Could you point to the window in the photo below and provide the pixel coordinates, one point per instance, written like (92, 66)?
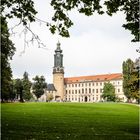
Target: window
(101, 90)
(92, 84)
(82, 84)
(75, 91)
(82, 90)
(89, 84)
(75, 85)
(118, 83)
(66, 91)
(118, 90)
(100, 84)
(85, 84)
(97, 97)
(96, 84)
(72, 85)
(79, 90)
(86, 90)
(89, 90)
(96, 90)
(92, 90)
(69, 85)
(79, 85)
(69, 92)
(72, 92)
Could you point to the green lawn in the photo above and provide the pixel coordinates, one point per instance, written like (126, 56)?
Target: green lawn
(69, 121)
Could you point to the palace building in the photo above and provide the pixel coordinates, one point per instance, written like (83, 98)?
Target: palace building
(82, 88)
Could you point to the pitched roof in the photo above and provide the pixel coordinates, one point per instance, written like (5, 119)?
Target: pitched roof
(50, 87)
(103, 77)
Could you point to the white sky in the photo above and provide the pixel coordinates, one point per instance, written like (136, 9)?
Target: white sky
(98, 45)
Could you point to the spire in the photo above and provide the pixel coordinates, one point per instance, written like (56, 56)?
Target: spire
(58, 44)
(58, 49)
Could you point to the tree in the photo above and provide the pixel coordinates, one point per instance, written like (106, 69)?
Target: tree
(128, 67)
(49, 96)
(26, 87)
(7, 51)
(109, 92)
(131, 79)
(136, 80)
(38, 86)
(25, 11)
(19, 88)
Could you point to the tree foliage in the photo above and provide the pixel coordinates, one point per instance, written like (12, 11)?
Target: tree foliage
(131, 79)
(26, 87)
(25, 11)
(38, 86)
(21, 9)
(19, 88)
(127, 77)
(7, 51)
(131, 10)
(109, 92)
(49, 96)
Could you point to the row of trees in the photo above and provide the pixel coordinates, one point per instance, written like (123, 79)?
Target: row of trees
(20, 89)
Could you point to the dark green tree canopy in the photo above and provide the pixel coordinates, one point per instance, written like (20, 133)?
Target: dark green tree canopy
(7, 51)
(19, 88)
(127, 77)
(131, 79)
(39, 85)
(26, 87)
(25, 11)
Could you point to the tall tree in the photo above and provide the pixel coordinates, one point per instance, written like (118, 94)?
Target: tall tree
(25, 11)
(128, 67)
(109, 92)
(7, 51)
(39, 85)
(19, 88)
(26, 87)
(131, 79)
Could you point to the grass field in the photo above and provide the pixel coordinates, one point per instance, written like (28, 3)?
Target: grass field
(69, 121)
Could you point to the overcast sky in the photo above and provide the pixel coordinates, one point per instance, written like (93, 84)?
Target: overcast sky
(98, 45)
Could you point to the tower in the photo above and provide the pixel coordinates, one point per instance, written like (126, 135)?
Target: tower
(58, 72)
